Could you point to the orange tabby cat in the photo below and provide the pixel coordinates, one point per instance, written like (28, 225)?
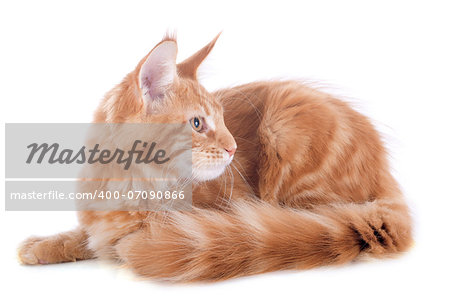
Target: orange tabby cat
(309, 184)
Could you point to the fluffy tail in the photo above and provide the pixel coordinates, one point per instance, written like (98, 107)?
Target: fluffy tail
(257, 237)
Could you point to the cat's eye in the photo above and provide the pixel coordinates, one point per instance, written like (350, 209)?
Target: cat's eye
(196, 124)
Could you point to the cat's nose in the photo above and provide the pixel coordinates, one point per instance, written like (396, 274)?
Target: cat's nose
(231, 151)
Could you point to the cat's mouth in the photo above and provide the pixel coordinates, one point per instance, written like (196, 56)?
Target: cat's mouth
(209, 172)
(205, 167)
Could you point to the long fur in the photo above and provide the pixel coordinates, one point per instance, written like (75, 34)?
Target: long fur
(256, 237)
(309, 184)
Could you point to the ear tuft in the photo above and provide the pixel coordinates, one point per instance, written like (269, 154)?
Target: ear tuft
(159, 71)
(188, 68)
(170, 36)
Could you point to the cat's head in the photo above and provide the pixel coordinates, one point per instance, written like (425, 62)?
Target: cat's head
(161, 91)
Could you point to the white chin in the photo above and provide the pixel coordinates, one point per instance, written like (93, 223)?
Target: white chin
(208, 174)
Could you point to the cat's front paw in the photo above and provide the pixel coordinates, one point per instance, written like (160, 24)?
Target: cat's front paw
(68, 246)
(27, 251)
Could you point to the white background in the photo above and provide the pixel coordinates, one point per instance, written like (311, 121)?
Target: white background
(391, 58)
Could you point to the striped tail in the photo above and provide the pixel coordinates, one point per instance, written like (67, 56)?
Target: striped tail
(255, 237)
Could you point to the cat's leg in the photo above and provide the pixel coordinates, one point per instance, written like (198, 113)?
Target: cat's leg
(125, 245)
(63, 247)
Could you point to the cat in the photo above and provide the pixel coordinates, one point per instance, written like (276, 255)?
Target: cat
(287, 177)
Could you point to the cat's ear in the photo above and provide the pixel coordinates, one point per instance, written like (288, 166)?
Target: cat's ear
(158, 71)
(188, 68)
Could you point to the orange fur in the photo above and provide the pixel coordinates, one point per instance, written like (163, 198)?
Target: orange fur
(309, 184)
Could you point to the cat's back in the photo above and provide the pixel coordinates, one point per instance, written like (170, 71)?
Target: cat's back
(287, 122)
